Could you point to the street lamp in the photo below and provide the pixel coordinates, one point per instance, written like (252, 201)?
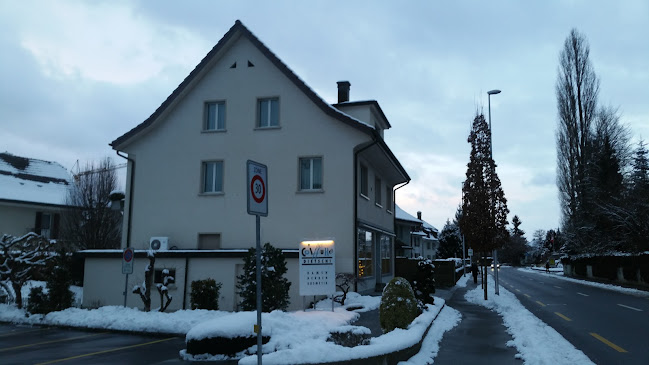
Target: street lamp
(495, 252)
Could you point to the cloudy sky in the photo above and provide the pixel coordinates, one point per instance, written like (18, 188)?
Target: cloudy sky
(75, 75)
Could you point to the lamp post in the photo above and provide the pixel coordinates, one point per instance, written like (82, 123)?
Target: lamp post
(495, 252)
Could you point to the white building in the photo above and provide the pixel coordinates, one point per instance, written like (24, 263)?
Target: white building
(330, 175)
(414, 236)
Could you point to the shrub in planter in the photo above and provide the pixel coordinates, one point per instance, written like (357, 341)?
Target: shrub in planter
(350, 336)
(205, 294)
(398, 306)
(424, 283)
(228, 346)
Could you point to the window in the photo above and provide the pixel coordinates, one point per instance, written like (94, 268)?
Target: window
(311, 173)
(47, 225)
(364, 185)
(268, 113)
(213, 177)
(377, 191)
(386, 254)
(388, 198)
(214, 116)
(364, 250)
(209, 241)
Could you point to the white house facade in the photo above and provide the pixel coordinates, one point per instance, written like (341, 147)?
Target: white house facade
(330, 176)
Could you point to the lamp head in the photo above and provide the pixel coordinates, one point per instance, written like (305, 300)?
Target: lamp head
(493, 92)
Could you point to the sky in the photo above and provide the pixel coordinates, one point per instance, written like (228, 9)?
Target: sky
(78, 74)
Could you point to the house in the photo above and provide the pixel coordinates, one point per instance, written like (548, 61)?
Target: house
(32, 194)
(414, 236)
(330, 175)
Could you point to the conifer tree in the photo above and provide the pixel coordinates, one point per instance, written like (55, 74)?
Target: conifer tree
(274, 285)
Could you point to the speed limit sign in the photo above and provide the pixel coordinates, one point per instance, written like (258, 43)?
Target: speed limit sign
(257, 187)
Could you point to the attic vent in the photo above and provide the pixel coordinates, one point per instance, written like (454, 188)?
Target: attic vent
(234, 65)
(250, 64)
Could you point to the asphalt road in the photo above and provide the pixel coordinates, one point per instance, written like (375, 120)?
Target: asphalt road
(21, 344)
(608, 326)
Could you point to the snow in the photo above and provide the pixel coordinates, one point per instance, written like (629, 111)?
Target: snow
(616, 288)
(402, 215)
(17, 184)
(536, 342)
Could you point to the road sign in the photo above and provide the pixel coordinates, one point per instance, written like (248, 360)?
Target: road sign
(470, 252)
(127, 262)
(257, 186)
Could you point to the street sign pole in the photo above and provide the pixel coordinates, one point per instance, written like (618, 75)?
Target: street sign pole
(257, 186)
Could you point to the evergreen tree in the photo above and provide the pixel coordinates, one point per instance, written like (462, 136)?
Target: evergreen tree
(515, 247)
(274, 285)
(58, 283)
(516, 231)
(450, 241)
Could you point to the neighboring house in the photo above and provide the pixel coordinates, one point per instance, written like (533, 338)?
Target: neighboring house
(330, 175)
(32, 194)
(414, 237)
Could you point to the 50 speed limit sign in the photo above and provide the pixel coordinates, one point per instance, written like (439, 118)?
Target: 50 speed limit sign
(257, 187)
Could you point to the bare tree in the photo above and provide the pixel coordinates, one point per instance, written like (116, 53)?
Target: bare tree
(91, 223)
(577, 89)
(20, 257)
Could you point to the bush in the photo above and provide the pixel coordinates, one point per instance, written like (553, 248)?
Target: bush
(205, 294)
(223, 345)
(38, 302)
(350, 336)
(59, 296)
(274, 285)
(424, 283)
(398, 305)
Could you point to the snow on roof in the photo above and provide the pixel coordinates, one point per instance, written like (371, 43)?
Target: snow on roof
(401, 214)
(34, 181)
(429, 226)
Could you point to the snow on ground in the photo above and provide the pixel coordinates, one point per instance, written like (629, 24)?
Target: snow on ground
(617, 288)
(536, 342)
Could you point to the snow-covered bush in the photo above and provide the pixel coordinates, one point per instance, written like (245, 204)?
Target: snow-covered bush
(205, 294)
(345, 282)
(398, 305)
(350, 336)
(38, 301)
(274, 285)
(144, 290)
(163, 289)
(424, 283)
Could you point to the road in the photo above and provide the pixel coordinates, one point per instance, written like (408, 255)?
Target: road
(608, 326)
(20, 344)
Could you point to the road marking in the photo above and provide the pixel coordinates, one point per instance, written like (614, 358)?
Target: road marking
(105, 351)
(541, 304)
(518, 290)
(562, 316)
(607, 342)
(635, 309)
(527, 295)
(48, 342)
(21, 332)
(583, 294)
(558, 287)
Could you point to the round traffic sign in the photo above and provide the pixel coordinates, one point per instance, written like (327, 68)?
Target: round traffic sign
(258, 189)
(128, 255)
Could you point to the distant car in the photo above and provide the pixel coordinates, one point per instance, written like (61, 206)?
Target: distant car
(492, 266)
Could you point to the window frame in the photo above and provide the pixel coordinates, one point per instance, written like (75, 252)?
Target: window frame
(378, 191)
(218, 104)
(386, 255)
(388, 198)
(258, 121)
(312, 173)
(204, 164)
(364, 180)
(366, 271)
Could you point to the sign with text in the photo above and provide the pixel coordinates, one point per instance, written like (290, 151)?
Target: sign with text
(317, 268)
(128, 257)
(257, 187)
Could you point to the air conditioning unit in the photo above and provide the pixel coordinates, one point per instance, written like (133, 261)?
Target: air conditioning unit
(159, 243)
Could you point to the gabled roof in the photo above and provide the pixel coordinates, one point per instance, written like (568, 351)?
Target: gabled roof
(239, 29)
(30, 180)
(365, 102)
(404, 216)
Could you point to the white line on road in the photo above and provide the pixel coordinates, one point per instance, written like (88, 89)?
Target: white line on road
(626, 306)
(558, 287)
(582, 294)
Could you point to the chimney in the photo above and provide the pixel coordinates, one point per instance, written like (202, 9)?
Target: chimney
(419, 215)
(343, 91)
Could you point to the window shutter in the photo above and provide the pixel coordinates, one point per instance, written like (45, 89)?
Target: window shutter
(55, 226)
(37, 225)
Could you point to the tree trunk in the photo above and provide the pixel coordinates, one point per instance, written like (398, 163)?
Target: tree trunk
(18, 292)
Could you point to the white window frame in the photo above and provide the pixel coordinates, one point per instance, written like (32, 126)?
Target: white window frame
(268, 112)
(218, 105)
(311, 172)
(204, 165)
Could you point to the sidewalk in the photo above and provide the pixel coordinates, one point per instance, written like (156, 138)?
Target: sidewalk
(480, 335)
